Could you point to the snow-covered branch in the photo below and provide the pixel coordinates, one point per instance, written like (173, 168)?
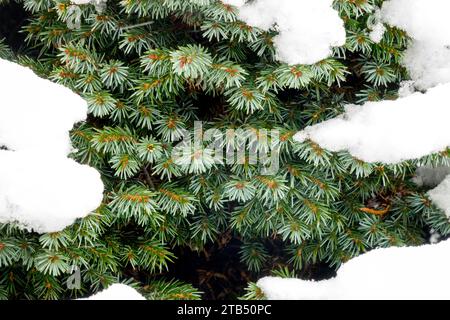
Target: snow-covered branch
(40, 188)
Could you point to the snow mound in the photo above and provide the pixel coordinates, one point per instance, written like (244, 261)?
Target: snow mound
(392, 273)
(441, 196)
(388, 131)
(415, 125)
(427, 65)
(305, 37)
(40, 188)
(410, 127)
(424, 20)
(117, 291)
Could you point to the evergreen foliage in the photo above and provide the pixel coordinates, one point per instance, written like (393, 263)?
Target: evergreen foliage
(148, 70)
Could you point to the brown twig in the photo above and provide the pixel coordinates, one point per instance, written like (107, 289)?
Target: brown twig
(376, 212)
(148, 178)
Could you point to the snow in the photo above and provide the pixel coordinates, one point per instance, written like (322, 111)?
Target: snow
(388, 131)
(428, 65)
(376, 35)
(410, 127)
(415, 125)
(100, 5)
(80, 2)
(426, 21)
(117, 291)
(40, 188)
(392, 273)
(35, 114)
(305, 37)
(435, 237)
(406, 88)
(428, 176)
(439, 179)
(236, 3)
(377, 29)
(441, 196)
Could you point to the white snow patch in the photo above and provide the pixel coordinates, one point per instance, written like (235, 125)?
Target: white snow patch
(40, 188)
(377, 28)
(406, 88)
(117, 291)
(415, 125)
(424, 20)
(307, 28)
(441, 196)
(439, 179)
(392, 273)
(377, 33)
(388, 131)
(435, 237)
(428, 176)
(427, 64)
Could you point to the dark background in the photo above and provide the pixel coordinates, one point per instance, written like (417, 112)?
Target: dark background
(12, 18)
